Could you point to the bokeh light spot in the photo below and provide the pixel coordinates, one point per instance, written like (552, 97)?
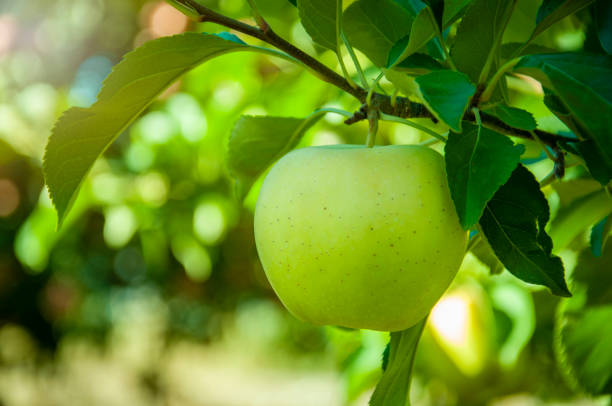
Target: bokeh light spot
(209, 222)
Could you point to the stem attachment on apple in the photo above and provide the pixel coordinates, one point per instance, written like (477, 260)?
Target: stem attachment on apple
(373, 117)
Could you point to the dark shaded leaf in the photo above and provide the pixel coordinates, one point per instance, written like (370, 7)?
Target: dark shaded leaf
(453, 10)
(600, 234)
(513, 116)
(479, 30)
(603, 22)
(583, 87)
(478, 162)
(514, 224)
(419, 64)
(552, 11)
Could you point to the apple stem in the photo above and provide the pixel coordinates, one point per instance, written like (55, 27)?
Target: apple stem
(373, 117)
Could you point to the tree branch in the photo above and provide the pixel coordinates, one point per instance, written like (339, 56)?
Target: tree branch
(399, 107)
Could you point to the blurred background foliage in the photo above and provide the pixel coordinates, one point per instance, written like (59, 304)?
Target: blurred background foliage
(152, 293)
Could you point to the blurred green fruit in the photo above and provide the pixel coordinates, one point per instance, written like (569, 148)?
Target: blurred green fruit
(359, 237)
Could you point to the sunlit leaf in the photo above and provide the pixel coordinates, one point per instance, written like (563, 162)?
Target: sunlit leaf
(447, 94)
(374, 27)
(81, 135)
(514, 224)
(478, 162)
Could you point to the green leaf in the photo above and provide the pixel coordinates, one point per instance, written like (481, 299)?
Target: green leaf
(583, 86)
(423, 29)
(258, 142)
(603, 22)
(375, 26)
(478, 162)
(514, 224)
(480, 29)
(552, 11)
(393, 389)
(319, 19)
(600, 234)
(447, 94)
(453, 10)
(81, 135)
(583, 328)
(514, 117)
(483, 251)
(578, 216)
(509, 49)
(418, 64)
(599, 166)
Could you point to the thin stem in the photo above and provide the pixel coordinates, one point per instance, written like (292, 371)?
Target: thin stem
(373, 117)
(339, 43)
(257, 15)
(371, 91)
(447, 56)
(351, 52)
(402, 108)
(477, 115)
(386, 117)
(484, 74)
(429, 142)
(334, 110)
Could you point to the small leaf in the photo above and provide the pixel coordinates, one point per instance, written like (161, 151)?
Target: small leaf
(478, 162)
(393, 389)
(514, 224)
(447, 94)
(514, 117)
(552, 11)
(600, 234)
(375, 26)
(81, 135)
(583, 86)
(453, 10)
(418, 64)
(257, 142)
(423, 29)
(603, 21)
(479, 31)
(583, 328)
(319, 19)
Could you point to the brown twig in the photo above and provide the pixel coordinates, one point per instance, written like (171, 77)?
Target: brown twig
(402, 107)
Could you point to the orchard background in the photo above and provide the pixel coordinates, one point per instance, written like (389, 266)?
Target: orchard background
(151, 292)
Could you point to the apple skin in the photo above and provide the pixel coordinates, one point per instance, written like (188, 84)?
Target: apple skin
(359, 237)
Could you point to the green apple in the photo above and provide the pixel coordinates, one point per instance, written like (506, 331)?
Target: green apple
(359, 237)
